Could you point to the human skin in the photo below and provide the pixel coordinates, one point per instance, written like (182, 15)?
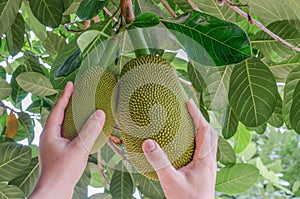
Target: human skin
(62, 162)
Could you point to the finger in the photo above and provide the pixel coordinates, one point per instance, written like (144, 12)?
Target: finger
(206, 137)
(91, 129)
(158, 160)
(198, 119)
(56, 116)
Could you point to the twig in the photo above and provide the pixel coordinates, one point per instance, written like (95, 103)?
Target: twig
(166, 5)
(127, 11)
(105, 181)
(110, 14)
(32, 115)
(185, 82)
(194, 6)
(260, 25)
(117, 151)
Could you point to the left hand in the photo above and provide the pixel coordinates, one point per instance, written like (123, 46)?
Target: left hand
(62, 162)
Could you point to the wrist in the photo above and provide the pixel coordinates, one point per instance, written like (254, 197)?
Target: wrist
(51, 189)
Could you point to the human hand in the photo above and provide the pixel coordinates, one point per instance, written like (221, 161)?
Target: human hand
(62, 162)
(197, 179)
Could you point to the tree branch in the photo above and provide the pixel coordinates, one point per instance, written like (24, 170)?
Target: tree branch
(117, 151)
(105, 181)
(260, 25)
(127, 11)
(194, 6)
(166, 5)
(110, 14)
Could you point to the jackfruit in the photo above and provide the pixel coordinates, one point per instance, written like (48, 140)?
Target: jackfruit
(92, 91)
(149, 102)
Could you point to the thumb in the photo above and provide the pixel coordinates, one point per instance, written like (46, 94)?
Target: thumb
(158, 159)
(91, 129)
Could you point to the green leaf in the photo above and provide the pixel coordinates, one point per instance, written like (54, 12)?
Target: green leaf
(209, 40)
(10, 192)
(13, 159)
(101, 196)
(8, 13)
(36, 83)
(90, 8)
(32, 62)
(71, 64)
(66, 52)
(80, 190)
(32, 22)
(276, 119)
(196, 77)
(268, 175)
(252, 92)
(27, 180)
(121, 185)
(242, 138)
(216, 91)
(15, 35)
(230, 123)
(35, 106)
(18, 94)
(148, 188)
(5, 89)
(54, 43)
(281, 70)
(269, 11)
(2, 73)
(236, 179)
(211, 7)
(293, 5)
(28, 125)
(226, 153)
(48, 12)
(291, 82)
(260, 129)
(273, 49)
(146, 20)
(295, 109)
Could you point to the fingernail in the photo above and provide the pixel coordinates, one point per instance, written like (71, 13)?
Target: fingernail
(148, 146)
(99, 114)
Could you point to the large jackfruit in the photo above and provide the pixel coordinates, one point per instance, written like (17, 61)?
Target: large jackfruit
(151, 103)
(92, 91)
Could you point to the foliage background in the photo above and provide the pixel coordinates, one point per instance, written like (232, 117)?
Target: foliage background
(43, 43)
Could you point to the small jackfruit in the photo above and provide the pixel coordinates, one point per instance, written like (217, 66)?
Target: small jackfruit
(149, 102)
(92, 91)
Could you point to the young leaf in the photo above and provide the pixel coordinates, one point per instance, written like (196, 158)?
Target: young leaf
(48, 12)
(15, 35)
(90, 8)
(209, 40)
(241, 139)
(11, 125)
(236, 179)
(146, 20)
(5, 89)
(36, 83)
(27, 180)
(13, 159)
(226, 153)
(8, 13)
(252, 92)
(121, 185)
(295, 109)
